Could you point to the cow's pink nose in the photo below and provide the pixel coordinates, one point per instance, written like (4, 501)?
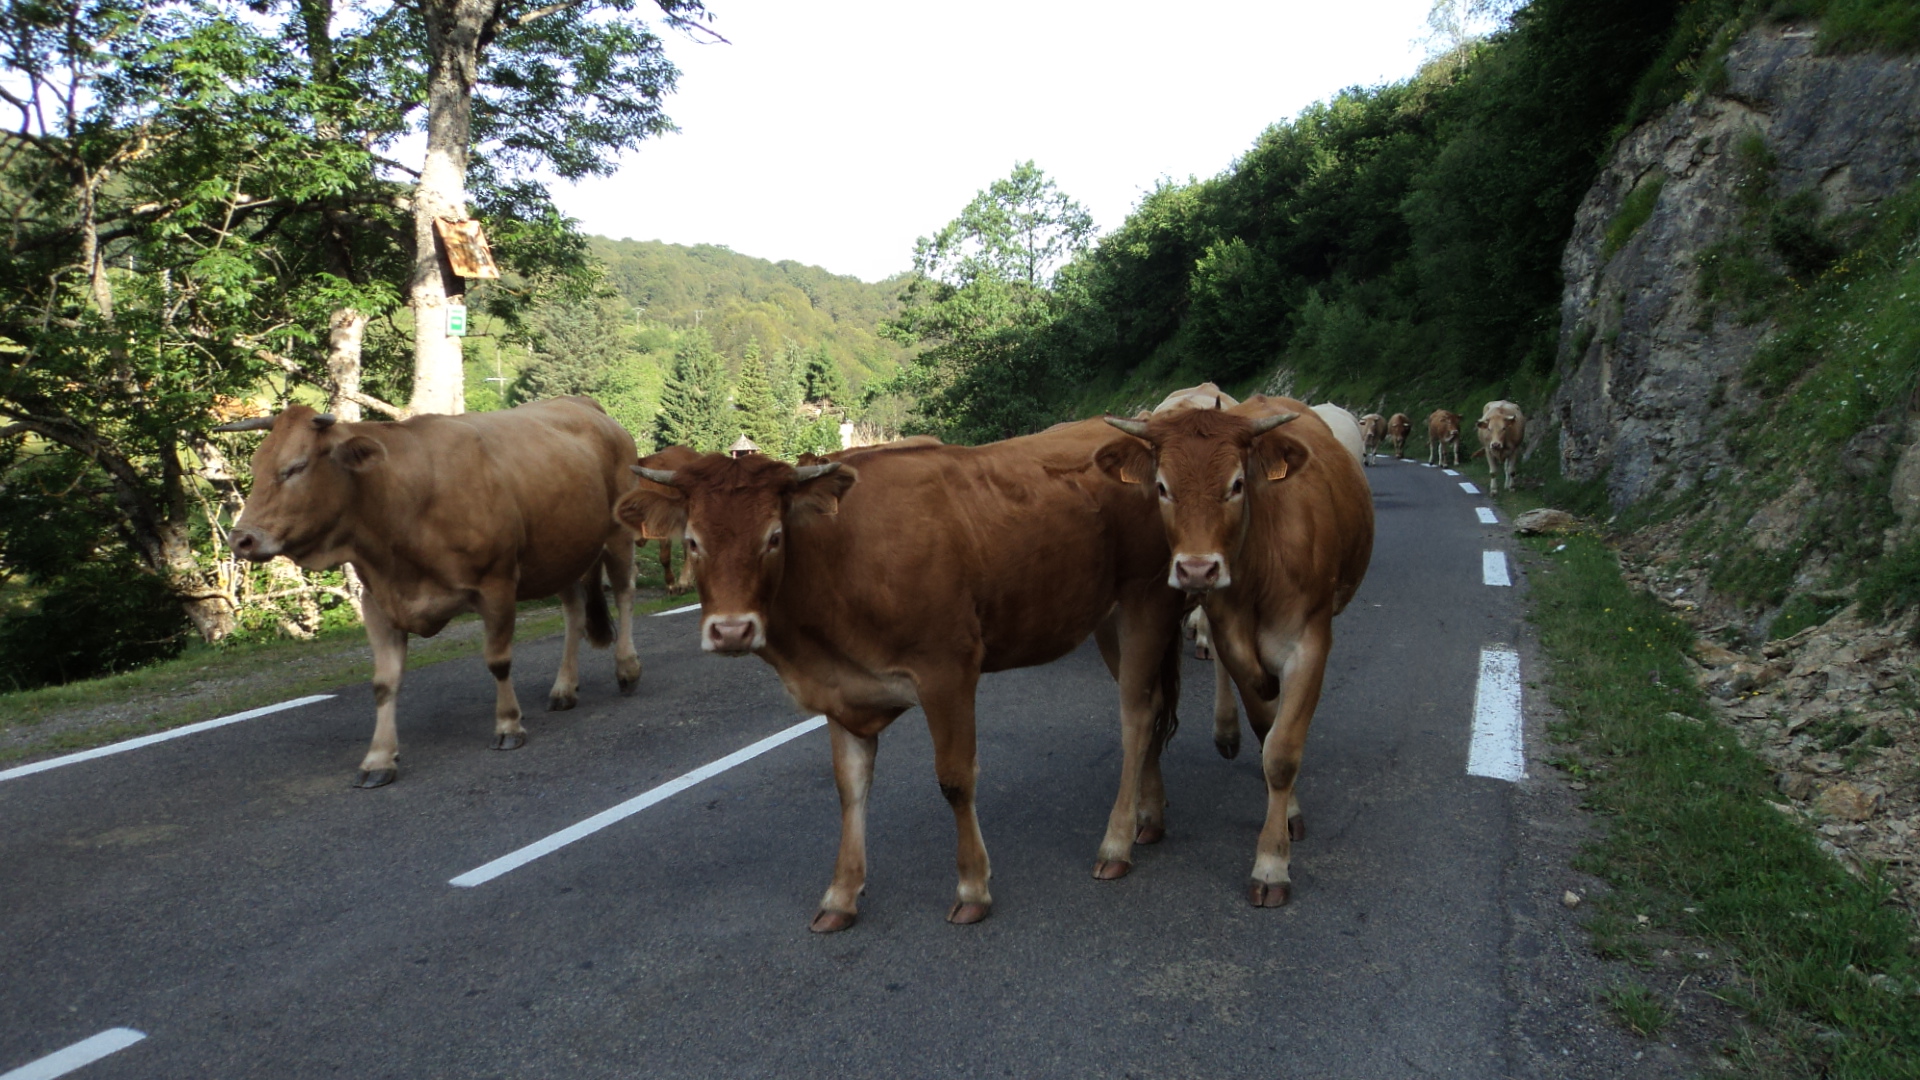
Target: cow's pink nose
(1197, 571)
(730, 633)
(244, 542)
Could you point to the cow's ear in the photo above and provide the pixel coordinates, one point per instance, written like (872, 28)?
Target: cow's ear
(359, 453)
(1277, 456)
(1126, 459)
(653, 511)
(821, 493)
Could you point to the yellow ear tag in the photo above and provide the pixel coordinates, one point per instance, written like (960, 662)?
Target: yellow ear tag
(1277, 470)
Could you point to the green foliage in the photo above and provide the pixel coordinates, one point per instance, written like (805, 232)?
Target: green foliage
(572, 348)
(694, 408)
(1635, 209)
(1694, 844)
(1804, 610)
(821, 381)
(101, 616)
(1639, 1009)
(761, 416)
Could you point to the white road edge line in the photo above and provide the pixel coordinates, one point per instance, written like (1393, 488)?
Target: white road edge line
(677, 611)
(78, 1056)
(1486, 514)
(1450, 472)
(148, 740)
(1493, 568)
(550, 844)
(1467, 486)
(1495, 750)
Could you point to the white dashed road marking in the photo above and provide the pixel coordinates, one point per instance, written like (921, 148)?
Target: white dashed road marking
(609, 816)
(1450, 472)
(1486, 515)
(149, 740)
(1493, 568)
(1496, 750)
(1467, 486)
(79, 1055)
(677, 611)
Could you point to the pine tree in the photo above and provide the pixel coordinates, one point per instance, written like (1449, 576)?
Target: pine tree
(823, 381)
(760, 415)
(694, 411)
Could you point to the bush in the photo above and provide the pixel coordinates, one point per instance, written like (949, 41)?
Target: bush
(100, 617)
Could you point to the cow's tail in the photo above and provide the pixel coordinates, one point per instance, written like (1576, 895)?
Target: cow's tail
(1166, 719)
(599, 619)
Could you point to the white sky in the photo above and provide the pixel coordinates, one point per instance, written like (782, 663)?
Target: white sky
(836, 133)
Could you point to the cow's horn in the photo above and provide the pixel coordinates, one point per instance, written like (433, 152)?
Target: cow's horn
(251, 423)
(323, 421)
(813, 472)
(658, 476)
(1135, 428)
(1268, 423)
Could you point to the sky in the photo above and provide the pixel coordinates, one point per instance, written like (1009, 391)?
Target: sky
(836, 133)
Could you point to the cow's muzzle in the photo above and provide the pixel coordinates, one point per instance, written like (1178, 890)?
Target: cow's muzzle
(1199, 573)
(732, 635)
(252, 544)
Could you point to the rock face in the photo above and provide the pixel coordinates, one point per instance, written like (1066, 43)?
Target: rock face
(1646, 366)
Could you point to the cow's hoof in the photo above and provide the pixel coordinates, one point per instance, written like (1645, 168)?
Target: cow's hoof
(1111, 869)
(1229, 748)
(376, 777)
(832, 922)
(968, 912)
(627, 686)
(1149, 834)
(510, 740)
(1202, 654)
(1297, 828)
(1261, 894)
(562, 702)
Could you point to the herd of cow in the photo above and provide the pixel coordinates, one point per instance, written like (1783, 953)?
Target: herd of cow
(1502, 426)
(877, 579)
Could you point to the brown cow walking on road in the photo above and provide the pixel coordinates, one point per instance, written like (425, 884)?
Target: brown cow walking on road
(1373, 429)
(1443, 431)
(896, 576)
(441, 515)
(1272, 526)
(1502, 428)
(1399, 426)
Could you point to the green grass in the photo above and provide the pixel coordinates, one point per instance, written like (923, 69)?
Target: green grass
(1692, 841)
(1638, 1009)
(1635, 209)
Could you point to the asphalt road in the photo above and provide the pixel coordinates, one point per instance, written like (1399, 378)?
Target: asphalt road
(227, 894)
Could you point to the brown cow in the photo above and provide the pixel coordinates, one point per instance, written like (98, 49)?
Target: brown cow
(1502, 428)
(1443, 431)
(445, 514)
(1399, 426)
(1273, 527)
(1373, 428)
(940, 563)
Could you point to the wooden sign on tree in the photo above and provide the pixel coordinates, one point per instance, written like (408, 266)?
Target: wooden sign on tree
(466, 246)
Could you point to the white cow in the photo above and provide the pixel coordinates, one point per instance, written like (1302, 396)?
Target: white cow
(1502, 427)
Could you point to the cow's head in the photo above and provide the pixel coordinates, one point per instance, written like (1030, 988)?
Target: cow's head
(304, 477)
(1496, 430)
(735, 514)
(1202, 465)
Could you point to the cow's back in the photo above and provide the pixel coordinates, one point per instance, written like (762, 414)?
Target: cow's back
(1316, 525)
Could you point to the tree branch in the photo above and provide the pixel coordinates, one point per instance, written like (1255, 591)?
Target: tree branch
(297, 370)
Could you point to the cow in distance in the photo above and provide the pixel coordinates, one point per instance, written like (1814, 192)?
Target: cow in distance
(441, 515)
(881, 580)
(1502, 427)
(1443, 432)
(1399, 426)
(1269, 521)
(1373, 429)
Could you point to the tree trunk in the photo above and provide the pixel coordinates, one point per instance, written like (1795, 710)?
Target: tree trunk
(453, 56)
(346, 331)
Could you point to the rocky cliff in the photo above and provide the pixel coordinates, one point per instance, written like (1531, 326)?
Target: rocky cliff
(1650, 364)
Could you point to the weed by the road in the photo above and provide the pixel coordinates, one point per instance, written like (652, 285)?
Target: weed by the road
(1695, 846)
(1639, 1009)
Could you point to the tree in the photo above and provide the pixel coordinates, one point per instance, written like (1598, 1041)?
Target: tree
(694, 410)
(572, 346)
(823, 382)
(761, 416)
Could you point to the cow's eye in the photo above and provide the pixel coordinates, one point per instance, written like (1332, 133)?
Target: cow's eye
(1161, 484)
(292, 471)
(1239, 485)
(773, 540)
(693, 546)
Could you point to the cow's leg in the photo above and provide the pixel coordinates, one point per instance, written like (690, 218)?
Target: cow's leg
(956, 765)
(382, 763)
(1301, 677)
(1139, 807)
(626, 660)
(665, 552)
(853, 775)
(683, 583)
(1226, 718)
(496, 617)
(566, 684)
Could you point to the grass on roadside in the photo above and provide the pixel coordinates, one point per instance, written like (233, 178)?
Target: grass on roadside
(214, 680)
(1695, 841)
